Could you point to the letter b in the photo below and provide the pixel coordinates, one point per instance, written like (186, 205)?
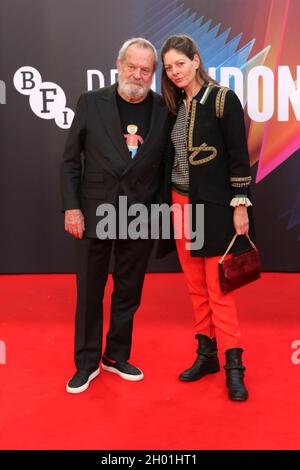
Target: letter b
(26, 79)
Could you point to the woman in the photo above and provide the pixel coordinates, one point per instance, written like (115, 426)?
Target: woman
(209, 165)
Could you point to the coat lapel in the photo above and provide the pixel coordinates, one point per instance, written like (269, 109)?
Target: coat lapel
(107, 105)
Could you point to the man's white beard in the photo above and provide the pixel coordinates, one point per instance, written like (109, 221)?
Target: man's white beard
(133, 91)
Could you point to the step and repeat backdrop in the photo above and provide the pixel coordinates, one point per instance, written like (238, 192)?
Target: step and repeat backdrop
(52, 50)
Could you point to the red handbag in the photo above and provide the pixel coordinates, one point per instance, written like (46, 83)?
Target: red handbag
(239, 270)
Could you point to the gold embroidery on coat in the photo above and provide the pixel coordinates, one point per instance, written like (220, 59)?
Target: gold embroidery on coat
(240, 185)
(240, 178)
(203, 148)
(192, 124)
(240, 181)
(220, 102)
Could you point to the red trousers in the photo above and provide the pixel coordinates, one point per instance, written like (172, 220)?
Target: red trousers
(215, 312)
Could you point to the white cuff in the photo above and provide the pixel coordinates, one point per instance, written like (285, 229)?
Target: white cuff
(240, 200)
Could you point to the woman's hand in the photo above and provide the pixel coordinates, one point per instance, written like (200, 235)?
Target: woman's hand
(240, 220)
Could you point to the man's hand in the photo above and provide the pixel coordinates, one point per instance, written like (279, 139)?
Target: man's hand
(240, 220)
(74, 222)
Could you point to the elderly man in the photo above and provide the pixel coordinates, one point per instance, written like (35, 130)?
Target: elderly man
(100, 164)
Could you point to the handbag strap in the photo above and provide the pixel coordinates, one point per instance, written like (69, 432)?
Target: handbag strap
(232, 242)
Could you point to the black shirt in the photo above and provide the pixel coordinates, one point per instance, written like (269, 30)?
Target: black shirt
(135, 121)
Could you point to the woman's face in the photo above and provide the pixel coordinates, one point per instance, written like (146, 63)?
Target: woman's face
(180, 69)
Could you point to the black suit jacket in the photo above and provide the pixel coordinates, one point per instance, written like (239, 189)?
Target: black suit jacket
(97, 166)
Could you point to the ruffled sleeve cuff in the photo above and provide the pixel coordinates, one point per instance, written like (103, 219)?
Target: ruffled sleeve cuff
(240, 200)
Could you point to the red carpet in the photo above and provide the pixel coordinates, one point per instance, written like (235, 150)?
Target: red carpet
(159, 412)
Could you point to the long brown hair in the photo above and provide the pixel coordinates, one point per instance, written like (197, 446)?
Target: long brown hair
(187, 46)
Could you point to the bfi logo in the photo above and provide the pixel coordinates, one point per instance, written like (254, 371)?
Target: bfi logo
(2, 352)
(46, 99)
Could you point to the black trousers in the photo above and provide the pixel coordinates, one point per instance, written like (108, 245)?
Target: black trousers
(92, 259)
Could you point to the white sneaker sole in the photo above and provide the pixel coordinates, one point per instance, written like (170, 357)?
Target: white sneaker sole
(85, 386)
(132, 378)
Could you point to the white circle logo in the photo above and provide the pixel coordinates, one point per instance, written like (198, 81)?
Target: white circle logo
(47, 99)
(26, 79)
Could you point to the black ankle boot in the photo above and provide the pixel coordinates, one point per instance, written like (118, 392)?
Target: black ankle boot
(235, 375)
(207, 361)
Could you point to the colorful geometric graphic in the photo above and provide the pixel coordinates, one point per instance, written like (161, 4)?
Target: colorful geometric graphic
(270, 142)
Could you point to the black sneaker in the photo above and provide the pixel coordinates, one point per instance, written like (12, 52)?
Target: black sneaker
(123, 369)
(81, 381)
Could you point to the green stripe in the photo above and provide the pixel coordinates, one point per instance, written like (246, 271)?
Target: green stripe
(206, 94)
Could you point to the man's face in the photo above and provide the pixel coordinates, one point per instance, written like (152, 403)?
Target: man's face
(136, 71)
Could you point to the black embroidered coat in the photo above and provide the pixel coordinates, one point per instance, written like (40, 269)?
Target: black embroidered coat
(219, 168)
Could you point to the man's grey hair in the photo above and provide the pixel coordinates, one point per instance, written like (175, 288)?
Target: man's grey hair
(141, 42)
